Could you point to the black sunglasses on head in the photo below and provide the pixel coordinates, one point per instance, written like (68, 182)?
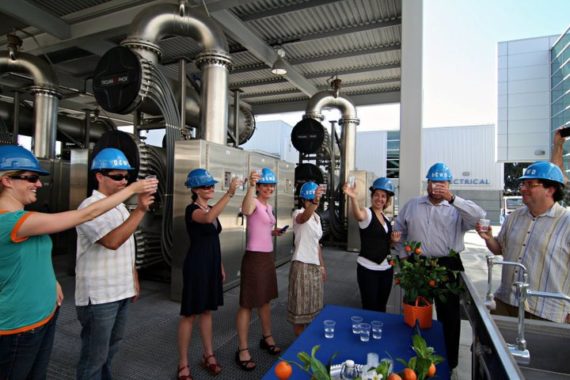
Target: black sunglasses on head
(30, 178)
(116, 177)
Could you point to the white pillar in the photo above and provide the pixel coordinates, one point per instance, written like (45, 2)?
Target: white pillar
(411, 101)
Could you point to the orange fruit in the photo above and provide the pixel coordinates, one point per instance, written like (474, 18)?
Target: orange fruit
(394, 376)
(431, 370)
(418, 251)
(408, 374)
(432, 283)
(283, 370)
(408, 248)
(392, 262)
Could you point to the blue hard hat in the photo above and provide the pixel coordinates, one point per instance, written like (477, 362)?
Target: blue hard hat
(543, 170)
(267, 177)
(308, 190)
(439, 172)
(383, 183)
(14, 157)
(199, 177)
(110, 159)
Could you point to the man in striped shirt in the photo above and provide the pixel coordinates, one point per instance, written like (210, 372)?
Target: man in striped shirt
(538, 237)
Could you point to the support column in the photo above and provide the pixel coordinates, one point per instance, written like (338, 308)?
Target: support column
(411, 101)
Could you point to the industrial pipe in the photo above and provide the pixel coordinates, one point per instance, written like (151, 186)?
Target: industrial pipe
(46, 97)
(157, 21)
(349, 121)
(69, 128)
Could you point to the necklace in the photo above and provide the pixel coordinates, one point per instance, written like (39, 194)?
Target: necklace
(203, 208)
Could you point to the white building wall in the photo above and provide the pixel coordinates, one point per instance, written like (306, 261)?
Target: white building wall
(469, 151)
(371, 152)
(273, 137)
(523, 117)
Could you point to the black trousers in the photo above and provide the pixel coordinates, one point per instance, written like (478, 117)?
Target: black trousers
(449, 313)
(375, 287)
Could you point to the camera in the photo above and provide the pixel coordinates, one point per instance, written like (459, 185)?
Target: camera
(565, 132)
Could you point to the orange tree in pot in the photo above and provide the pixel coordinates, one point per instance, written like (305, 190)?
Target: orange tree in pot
(423, 279)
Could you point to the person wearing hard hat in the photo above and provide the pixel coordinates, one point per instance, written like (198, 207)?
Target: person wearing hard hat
(203, 271)
(106, 278)
(29, 293)
(439, 221)
(538, 237)
(307, 272)
(258, 281)
(373, 272)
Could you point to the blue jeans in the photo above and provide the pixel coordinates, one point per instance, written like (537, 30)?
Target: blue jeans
(103, 327)
(26, 355)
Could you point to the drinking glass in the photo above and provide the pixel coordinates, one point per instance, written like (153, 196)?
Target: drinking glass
(377, 329)
(329, 326)
(356, 321)
(364, 332)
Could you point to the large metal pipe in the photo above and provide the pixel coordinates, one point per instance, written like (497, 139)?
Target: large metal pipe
(158, 21)
(69, 128)
(349, 121)
(46, 97)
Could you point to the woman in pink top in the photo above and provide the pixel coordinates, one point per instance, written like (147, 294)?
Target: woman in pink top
(258, 284)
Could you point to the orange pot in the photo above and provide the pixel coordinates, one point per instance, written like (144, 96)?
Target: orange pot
(422, 313)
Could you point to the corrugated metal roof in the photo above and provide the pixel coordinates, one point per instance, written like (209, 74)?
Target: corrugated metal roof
(358, 40)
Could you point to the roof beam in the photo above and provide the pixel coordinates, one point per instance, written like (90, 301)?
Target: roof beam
(300, 105)
(323, 58)
(357, 70)
(321, 88)
(101, 27)
(333, 33)
(242, 34)
(287, 9)
(32, 15)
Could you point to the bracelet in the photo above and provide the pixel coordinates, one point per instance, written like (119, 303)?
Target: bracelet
(230, 194)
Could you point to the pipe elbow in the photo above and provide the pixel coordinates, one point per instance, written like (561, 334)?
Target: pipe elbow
(155, 22)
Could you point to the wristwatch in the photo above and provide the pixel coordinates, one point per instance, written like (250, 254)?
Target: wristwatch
(452, 199)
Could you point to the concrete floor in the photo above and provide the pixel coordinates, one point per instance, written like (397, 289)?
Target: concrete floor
(148, 350)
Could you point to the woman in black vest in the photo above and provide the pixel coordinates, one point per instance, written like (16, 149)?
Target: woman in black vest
(374, 274)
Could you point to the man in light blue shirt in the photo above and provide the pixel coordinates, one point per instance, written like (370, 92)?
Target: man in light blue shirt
(439, 221)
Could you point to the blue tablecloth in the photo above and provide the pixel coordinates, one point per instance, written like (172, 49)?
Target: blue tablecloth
(396, 341)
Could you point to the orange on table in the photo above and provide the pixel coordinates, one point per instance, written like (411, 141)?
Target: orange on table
(409, 374)
(394, 376)
(431, 371)
(283, 370)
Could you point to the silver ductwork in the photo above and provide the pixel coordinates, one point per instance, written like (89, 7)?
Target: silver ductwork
(46, 97)
(68, 128)
(157, 21)
(349, 121)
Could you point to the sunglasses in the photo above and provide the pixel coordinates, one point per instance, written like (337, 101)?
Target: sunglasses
(30, 178)
(208, 187)
(116, 177)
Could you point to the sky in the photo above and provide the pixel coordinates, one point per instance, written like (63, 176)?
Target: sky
(460, 59)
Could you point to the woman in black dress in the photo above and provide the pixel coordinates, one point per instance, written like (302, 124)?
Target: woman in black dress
(203, 271)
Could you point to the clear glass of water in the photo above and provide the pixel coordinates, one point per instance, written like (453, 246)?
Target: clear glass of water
(377, 329)
(356, 321)
(364, 332)
(329, 326)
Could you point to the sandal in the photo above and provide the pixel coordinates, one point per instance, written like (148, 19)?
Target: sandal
(184, 377)
(271, 348)
(244, 364)
(214, 368)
